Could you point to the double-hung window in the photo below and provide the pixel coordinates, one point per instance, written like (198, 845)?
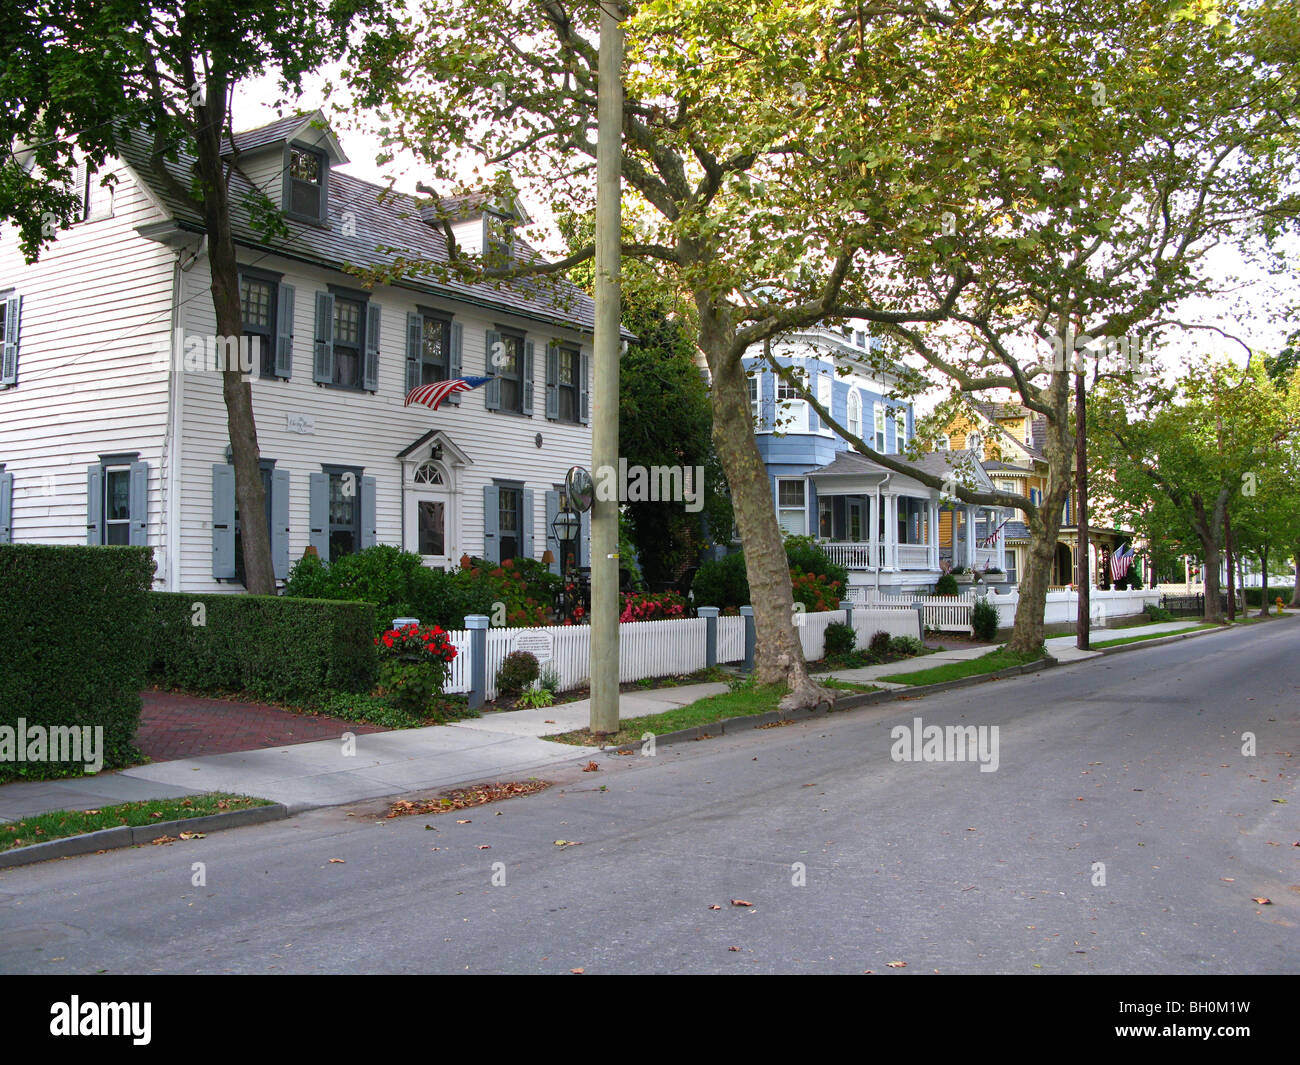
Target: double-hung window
(507, 363)
(567, 384)
(349, 341)
(117, 501)
(880, 427)
(510, 521)
(267, 468)
(855, 413)
(344, 512)
(792, 505)
(257, 301)
(755, 409)
(305, 192)
(435, 350)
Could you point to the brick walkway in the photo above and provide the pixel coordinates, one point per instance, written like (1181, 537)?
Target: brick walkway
(173, 725)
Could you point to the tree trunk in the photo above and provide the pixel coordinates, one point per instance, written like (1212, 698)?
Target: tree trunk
(1263, 587)
(778, 656)
(1059, 449)
(250, 499)
(1295, 593)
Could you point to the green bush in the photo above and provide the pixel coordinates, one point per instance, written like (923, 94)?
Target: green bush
(984, 620)
(724, 582)
(518, 671)
(270, 647)
(840, 638)
(1157, 613)
(74, 623)
(1252, 595)
(946, 585)
(905, 645)
(878, 645)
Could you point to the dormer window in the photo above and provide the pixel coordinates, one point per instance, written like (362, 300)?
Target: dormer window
(305, 183)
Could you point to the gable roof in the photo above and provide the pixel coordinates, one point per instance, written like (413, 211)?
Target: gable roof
(935, 463)
(392, 230)
(286, 129)
(994, 412)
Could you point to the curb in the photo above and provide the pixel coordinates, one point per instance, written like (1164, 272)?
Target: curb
(851, 702)
(135, 835)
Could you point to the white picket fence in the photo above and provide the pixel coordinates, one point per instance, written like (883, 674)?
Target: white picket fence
(664, 648)
(943, 613)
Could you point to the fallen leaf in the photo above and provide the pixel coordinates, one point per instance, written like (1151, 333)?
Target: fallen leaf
(336, 861)
(734, 948)
(465, 822)
(898, 964)
(1262, 900)
(568, 843)
(192, 835)
(548, 721)
(1228, 879)
(162, 840)
(591, 767)
(485, 846)
(578, 971)
(740, 902)
(715, 906)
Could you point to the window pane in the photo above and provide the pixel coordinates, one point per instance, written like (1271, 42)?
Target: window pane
(434, 354)
(347, 322)
(790, 493)
(304, 166)
(568, 368)
(117, 491)
(255, 298)
(431, 527)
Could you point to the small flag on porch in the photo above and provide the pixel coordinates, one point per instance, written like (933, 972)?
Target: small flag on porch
(1120, 562)
(992, 537)
(432, 395)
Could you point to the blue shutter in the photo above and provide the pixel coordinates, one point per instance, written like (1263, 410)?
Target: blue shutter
(322, 371)
(6, 508)
(138, 501)
(369, 515)
(453, 358)
(414, 342)
(370, 365)
(284, 333)
(94, 504)
(9, 354)
(526, 378)
(280, 524)
(223, 521)
(318, 510)
(492, 390)
(584, 371)
(552, 381)
(767, 400)
(527, 497)
(552, 544)
(492, 523)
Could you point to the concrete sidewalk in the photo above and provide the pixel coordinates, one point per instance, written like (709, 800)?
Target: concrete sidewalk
(307, 775)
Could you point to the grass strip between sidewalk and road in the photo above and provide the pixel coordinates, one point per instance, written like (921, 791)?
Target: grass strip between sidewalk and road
(59, 824)
(968, 667)
(746, 701)
(1151, 636)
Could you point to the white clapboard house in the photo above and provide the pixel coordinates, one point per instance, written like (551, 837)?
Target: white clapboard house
(110, 435)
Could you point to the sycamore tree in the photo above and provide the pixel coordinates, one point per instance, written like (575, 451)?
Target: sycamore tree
(784, 164)
(1159, 133)
(1284, 370)
(1203, 444)
(81, 81)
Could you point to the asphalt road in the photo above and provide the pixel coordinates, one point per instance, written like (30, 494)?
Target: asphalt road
(1134, 761)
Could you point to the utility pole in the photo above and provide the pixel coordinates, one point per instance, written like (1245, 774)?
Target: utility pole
(1083, 624)
(604, 414)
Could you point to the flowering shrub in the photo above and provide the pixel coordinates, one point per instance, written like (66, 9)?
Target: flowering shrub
(815, 591)
(517, 582)
(652, 606)
(414, 665)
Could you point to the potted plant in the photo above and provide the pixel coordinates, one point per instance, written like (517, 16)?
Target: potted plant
(962, 574)
(994, 574)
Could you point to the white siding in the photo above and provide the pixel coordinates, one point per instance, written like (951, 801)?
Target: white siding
(361, 429)
(95, 306)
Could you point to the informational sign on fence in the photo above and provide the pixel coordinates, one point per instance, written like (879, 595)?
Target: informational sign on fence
(541, 645)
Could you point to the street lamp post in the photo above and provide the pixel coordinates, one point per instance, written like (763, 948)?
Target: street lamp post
(565, 530)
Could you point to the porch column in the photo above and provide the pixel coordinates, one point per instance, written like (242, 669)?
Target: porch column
(971, 513)
(933, 538)
(1001, 546)
(891, 532)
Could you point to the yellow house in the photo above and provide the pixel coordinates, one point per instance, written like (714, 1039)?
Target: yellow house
(1009, 438)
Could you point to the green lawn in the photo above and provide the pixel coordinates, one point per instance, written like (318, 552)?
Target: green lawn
(60, 823)
(1152, 635)
(748, 701)
(969, 667)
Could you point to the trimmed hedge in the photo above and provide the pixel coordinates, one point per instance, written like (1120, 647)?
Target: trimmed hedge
(74, 622)
(272, 647)
(1285, 591)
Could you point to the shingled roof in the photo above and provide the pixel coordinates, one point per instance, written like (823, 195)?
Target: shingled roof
(384, 219)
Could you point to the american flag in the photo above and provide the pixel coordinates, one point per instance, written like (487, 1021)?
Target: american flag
(1120, 562)
(432, 395)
